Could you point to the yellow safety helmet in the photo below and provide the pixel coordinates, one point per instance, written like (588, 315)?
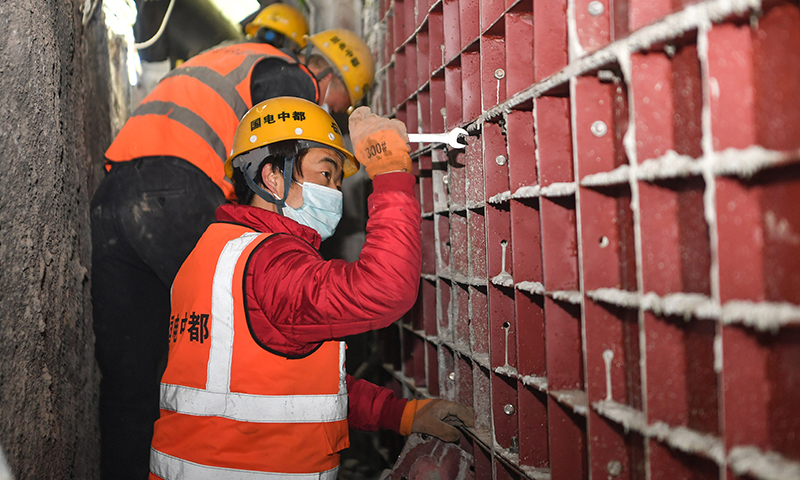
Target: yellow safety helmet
(286, 118)
(351, 57)
(284, 19)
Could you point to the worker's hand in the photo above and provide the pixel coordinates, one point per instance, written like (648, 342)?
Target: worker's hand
(436, 417)
(380, 143)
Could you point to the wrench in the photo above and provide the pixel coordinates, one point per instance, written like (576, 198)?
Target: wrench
(450, 138)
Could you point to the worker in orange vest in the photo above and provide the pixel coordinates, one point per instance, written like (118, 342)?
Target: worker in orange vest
(255, 386)
(165, 180)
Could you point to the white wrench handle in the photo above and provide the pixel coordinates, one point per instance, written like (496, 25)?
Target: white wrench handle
(427, 138)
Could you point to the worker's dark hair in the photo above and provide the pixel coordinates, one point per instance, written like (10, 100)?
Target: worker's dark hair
(318, 63)
(279, 152)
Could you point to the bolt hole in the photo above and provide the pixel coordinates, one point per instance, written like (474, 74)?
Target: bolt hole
(503, 243)
(603, 241)
(506, 325)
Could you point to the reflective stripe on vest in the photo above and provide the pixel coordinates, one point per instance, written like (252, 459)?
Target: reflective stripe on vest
(169, 467)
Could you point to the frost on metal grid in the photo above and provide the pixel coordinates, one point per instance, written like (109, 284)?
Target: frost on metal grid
(669, 165)
(568, 296)
(539, 383)
(746, 162)
(618, 176)
(686, 305)
(507, 370)
(535, 288)
(527, 191)
(763, 466)
(502, 197)
(612, 296)
(558, 190)
(765, 317)
(575, 399)
(680, 438)
(536, 473)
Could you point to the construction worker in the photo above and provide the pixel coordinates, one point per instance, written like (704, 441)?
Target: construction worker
(166, 179)
(279, 25)
(255, 384)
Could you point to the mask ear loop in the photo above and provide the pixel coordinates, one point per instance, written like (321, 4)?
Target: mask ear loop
(288, 165)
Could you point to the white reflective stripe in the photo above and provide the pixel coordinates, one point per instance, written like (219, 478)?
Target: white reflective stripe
(172, 468)
(221, 351)
(342, 373)
(254, 408)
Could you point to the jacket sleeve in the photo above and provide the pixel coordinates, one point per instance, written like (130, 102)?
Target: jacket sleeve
(372, 407)
(309, 300)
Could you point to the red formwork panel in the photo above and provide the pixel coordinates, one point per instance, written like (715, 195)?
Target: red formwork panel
(612, 264)
(492, 66)
(550, 46)
(601, 122)
(519, 52)
(470, 83)
(436, 38)
(675, 239)
(505, 411)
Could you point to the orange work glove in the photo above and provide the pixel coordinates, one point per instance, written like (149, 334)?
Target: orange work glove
(380, 143)
(435, 416)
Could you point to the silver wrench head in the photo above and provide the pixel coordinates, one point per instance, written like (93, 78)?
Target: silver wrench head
(452, 137)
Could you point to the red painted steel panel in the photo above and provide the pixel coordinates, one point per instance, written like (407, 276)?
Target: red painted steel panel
(469, 19)
(501, 300)
(479, 322)
(597, 133)
(452, 32)
(505, 411)
(436, 38)
(443, 310)
(687, 98)
(675, 242)
(453, 99)
(667, 464)
(521, 149)
(459, 250)
(607, 240)
(437, 104)
(418, 353)
(564, 356)
(398, 24)
(554, 140)
(463, 381)
(443, 245)
(410, 19)
(473, 156)
(411, 69)
(457, 179)
(483, 399)
(461, 315)
(494, 145)
(681, 382)
(423, 58)
(567, 443)
(426, 183)
(412, 117)
(533, 445)
(652, 93)
(483, 463)
(531, 344)
(493, 61)
(428, 293)
(525, 241)
(645, 12)
(432, 379)
(550, 52)
(399, 95)
(594, 31)
(490, 12)
(614, 450)
(778, 193)
(612, 354)
(559, 243)
(446, 361)
(477, 242)
(428, 254)
(471, 84)
(519, 51)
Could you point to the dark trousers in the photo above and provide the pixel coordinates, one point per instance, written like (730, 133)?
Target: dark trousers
(147, 216)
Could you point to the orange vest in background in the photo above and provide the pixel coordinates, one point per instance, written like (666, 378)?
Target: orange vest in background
(194, 110)
(227, 403)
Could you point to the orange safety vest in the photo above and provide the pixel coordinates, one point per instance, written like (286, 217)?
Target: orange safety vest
(194, 110)
(228, 404)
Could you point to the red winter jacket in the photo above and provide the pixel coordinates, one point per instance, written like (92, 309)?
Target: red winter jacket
(295, 299)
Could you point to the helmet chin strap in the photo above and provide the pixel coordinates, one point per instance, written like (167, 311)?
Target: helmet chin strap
(288, 165)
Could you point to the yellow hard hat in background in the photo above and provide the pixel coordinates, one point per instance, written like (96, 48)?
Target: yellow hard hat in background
(284, 19)
(350, 56)
(288, 118)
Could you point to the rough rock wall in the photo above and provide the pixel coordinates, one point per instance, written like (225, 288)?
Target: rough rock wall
(53, 130)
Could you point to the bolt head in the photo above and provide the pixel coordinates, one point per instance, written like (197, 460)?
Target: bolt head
(499, 74)
(599, 128)
(596, 8)
(501, 160)
(614, 468)
(508, 409)
(446, 179)
(452, 376)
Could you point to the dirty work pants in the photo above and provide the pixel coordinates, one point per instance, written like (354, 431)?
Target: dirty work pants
(147, 215)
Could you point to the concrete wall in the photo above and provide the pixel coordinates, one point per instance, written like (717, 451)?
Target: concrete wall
(53, 130)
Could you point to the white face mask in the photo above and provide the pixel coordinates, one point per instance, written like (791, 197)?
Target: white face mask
(321, 210)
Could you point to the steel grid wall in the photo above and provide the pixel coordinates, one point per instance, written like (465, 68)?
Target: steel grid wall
(611, 273)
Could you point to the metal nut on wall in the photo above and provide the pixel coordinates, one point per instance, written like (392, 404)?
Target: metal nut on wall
(599, 128)
(446, 179)
(452, 376)
(614, 468)
(501, 160)
(596, 8)
(508, 409)
(499, 74)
